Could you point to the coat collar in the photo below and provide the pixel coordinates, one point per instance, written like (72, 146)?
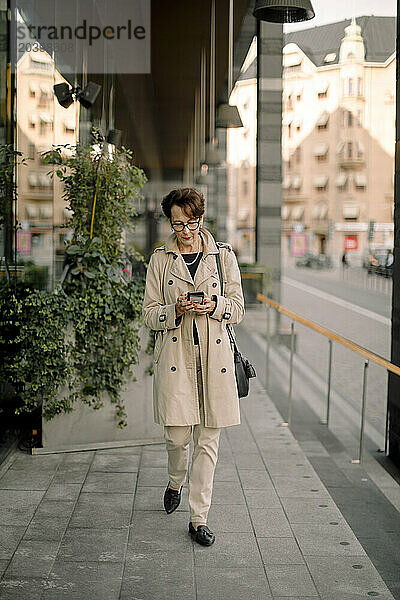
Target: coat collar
(210, 246)
(204, 270)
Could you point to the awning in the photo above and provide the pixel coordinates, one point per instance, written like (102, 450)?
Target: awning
(360, 179)
(298, 122)
(320, 211)
(322, 87)
(296, 182)
(297, 212)
(286, 183)
(340, 147)
(44, 88)
(41, 56)
(44, 180)
(285, 213)
(323, 119)
(287, 120)
(320, 150)
(321, 181)
(32, 179)
(33, 86)
(351, 211)
(69, 124)
(31, 211)
(45, 117)
(46, 211)
(33, 119)
(341, 180)
(360, 148)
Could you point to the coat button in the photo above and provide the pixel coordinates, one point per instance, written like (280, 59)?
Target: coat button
(214, 284)
(223, 370)
(170, 282)
(173, 368)
(174, 339)
(218, 341)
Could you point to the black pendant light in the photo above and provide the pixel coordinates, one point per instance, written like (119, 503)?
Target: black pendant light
(283, 11)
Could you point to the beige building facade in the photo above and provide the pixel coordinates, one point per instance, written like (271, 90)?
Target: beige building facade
(338, 140)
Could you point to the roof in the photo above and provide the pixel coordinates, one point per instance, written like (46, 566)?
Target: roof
(379, 35)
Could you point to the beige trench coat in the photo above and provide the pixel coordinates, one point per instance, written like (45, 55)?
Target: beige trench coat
(175, 394)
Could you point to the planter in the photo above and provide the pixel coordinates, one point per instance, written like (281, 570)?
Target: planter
(86, 428)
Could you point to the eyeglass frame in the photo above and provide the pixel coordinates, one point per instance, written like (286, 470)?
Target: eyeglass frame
(186, 225)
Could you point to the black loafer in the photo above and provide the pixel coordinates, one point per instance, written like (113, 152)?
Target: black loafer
(172, 499)
(202, 535)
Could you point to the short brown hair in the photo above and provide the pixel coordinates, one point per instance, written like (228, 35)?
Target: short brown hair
(190, 200)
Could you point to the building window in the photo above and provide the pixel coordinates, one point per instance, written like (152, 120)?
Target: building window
(298, 97)
(359, 86)
(349, 149)
(350, 86)
(245, 187)
(350, 118)
(323, 94)
(290, 130)
(289, 104)
(297, 154)
(31, 151)
(359, 118)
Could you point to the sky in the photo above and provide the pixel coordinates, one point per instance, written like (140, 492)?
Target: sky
(329, 11)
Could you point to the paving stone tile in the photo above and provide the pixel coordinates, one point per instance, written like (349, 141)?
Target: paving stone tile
(59, 491)
(10, 537)
(22, 588)
(169, 583)
(230, 550)
(254, 479)
(115, 463)
(270, 522)
(303, 488)
(224, 472)
(313, 448)
(84, 544)
(311, 510)
(98, 481)
(100, 509)
(51, 529)
(84, 580)
(50, 509)
(262, 498)
(232, 583)
(3, 565)
(227, 493)
(18, 506)
(32, 559)
(41, 463)
(158, 532)
(154, 459)
(161, 559)
(75, 473)
(231, 518)
(325, 540)
(153, 476)
(338, 573)
(15, 479)
(130, 450)
(248, 460)
(83, 457)
(151, 498)
(291, 580)
(280, 551)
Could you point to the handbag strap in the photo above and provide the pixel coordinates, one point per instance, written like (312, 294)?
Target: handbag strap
(219, 268)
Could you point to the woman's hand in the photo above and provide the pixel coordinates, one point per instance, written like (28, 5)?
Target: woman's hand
(207, 306)
(183, 305)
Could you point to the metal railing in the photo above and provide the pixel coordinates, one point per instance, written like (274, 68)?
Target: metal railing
(332, 337)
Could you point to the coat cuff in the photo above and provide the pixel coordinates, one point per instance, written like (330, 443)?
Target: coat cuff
(220, 313)
(167, 317)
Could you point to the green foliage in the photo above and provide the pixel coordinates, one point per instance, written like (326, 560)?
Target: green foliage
(9, 158)
(79, 342)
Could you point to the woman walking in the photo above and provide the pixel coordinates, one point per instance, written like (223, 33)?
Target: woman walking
(194, 375)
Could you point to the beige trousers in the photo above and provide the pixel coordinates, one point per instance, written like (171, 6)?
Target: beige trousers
(204, 458)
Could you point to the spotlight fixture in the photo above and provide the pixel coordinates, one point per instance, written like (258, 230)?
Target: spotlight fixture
(87, 96)
(283, 11)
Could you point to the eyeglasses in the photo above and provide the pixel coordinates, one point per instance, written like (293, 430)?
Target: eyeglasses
(191, 225)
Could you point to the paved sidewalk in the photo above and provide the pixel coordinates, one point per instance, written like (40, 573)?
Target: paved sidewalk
(90, 525)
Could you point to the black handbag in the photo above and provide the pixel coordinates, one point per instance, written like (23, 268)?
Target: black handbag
(244, 370)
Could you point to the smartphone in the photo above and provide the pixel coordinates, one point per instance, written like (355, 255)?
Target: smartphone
(197, 297)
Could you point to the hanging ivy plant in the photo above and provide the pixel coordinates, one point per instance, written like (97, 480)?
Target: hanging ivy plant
(79, 341)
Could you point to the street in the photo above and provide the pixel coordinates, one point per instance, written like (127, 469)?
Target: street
(362, 315)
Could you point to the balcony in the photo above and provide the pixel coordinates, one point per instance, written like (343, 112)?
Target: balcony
(351, 155)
